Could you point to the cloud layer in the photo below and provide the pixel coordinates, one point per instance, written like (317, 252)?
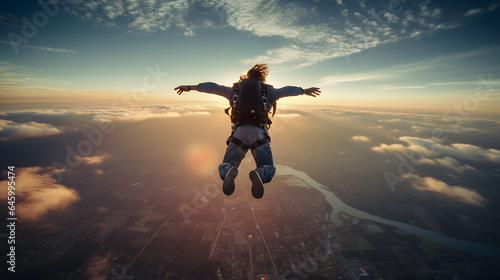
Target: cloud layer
(10, 130)
(43, 122)
(37, 193)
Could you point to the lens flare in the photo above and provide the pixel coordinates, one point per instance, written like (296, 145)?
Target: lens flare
(201, 158)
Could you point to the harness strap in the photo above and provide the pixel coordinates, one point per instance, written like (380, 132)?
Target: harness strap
(264, 98)
(245, 148)
(238, 143)
(236, 90)
(259, 143)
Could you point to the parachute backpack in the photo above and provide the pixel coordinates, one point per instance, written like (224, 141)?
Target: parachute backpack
(249, 105)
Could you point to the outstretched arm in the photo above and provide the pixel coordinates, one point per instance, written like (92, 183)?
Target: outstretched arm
(292, 91)
(212, 88)
(181, 89)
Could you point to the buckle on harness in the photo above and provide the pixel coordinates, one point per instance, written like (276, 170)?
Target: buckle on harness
(265, 127)
(235, 100)
(233, 128)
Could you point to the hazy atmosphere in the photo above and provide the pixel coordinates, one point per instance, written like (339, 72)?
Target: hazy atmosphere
(391, 173)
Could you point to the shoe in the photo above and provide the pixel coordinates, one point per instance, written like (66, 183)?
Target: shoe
(228, 185)
(257, 185)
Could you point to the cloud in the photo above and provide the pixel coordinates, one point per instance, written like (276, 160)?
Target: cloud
(454, 164)
(430, 152)
(38, 193)
(98, 171)
(342, 32)
(472, 152)
(337, 79)
(361, 138)
(94, 160)
(472, 83)
(417, 128)
(313, 33)
(14, 77)
(479, 11)
(43, 122)
(7, 19)
(98, 268)
(394, 120)
(301, 56)
(10, 130)
(493, 7)
(440, 188)
(393, 148)
(138, 16)
(58, 50)
(456, 150)
(474, 12)
(145, 112)
(402, 87)
(393, 73)
(292, 115)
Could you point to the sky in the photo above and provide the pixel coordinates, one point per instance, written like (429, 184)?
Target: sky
(431, 55)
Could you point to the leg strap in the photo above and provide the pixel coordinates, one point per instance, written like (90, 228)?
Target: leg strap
(238, 143)
(243, 146)
(259, 143)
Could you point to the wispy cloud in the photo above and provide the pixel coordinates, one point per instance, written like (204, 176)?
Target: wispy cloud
(14, 76)
(450, 83)
(479, 11)
(401, 87)
(337, 79)
(474, 12)
(312, 34)
(6, 19)
(462, 83)
(140, 16)
(58, 50)
(395, 72)
(348, 30)
(454, 164)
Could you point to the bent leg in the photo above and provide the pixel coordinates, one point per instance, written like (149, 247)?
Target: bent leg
(264, 160)
(233, 157)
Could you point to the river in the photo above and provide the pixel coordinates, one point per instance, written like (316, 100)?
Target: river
(339, 206)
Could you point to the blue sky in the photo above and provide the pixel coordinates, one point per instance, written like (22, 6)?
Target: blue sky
(407, 54)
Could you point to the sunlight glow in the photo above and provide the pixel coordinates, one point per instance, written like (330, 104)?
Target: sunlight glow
(201, 158)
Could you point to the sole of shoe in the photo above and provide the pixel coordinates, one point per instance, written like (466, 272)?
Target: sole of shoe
(228, 185)
(257, 185)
